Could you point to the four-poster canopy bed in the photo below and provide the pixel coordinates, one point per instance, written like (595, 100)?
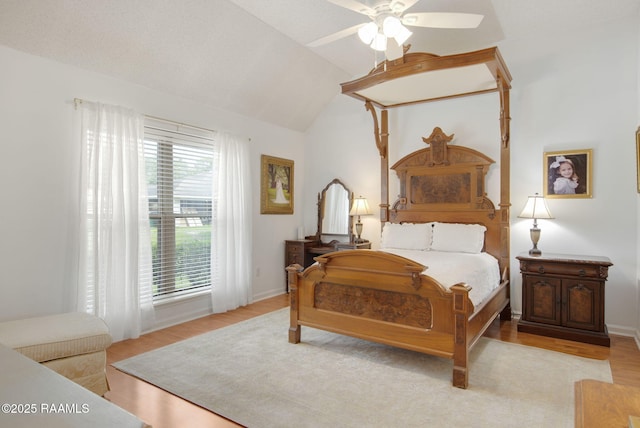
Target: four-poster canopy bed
(442, 210)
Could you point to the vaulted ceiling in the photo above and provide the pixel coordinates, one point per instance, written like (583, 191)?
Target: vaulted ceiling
(250, 56)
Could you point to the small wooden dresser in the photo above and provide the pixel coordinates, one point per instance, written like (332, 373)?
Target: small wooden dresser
(302, 251)
(563, 296)
(297, 252)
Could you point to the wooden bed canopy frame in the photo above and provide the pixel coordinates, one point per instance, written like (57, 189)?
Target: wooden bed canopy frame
(389, 299)
(423, 77)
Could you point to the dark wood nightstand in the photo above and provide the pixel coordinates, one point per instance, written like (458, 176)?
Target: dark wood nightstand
(563, 296)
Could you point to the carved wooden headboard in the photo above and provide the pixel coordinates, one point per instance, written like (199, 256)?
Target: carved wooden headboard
(446, 183)
(443, 177)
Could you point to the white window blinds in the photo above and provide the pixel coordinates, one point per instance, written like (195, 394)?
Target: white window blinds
(179, 172)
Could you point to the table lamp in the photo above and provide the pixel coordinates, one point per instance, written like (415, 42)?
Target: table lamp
(535, 208)
(360, 207)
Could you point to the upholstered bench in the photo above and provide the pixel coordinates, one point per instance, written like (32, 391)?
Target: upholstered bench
(72, 344)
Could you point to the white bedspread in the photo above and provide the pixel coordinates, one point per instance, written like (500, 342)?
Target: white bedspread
(479, 271)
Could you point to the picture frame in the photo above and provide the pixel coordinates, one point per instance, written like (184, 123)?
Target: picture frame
(638, 158)
(562, 184)
(276, 185)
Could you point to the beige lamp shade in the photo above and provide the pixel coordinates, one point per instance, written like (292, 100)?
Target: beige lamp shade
(360, 206)
(535, 208)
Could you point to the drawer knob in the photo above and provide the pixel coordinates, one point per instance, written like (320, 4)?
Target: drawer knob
(582, 272)
(541, 269)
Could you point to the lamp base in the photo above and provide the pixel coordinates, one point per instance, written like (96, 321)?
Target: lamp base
(358, 231)
(535, 237)
(535, 252)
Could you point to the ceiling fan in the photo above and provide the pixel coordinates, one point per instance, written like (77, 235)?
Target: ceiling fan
(389, 21)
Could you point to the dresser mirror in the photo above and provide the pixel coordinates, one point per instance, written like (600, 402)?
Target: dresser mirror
(334, 221)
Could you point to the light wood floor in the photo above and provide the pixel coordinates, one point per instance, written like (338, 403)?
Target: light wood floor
(161, 409)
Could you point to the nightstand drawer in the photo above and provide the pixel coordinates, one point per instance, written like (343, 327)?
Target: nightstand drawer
(295, 257)
(573, 269)
(295, 249)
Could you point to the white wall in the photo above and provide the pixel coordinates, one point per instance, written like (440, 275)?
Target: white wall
(38, 163)
(578, 91)
(570, 91)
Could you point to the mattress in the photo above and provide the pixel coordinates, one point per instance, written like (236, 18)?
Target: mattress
(480, 271)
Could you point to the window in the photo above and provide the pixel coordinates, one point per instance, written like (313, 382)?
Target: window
(179, 174)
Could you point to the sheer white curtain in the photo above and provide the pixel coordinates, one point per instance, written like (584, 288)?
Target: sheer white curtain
(231, 242)
(115, 247)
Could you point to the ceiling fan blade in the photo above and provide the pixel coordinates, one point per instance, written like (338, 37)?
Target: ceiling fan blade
(442, 20)
(335, 36)
(399, 6)
(355, 6)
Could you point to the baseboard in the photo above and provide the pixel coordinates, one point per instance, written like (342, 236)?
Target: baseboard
(611, 328)
(178, 311)
(619, 330)
(268, 294)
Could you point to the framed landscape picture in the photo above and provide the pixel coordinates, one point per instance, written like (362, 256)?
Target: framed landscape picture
(567, 174)
(276, 185)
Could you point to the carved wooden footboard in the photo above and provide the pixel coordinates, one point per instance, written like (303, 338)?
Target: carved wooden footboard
(385, 298)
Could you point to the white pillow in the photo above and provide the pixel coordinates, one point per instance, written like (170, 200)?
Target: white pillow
(407, 236)
(459, 238)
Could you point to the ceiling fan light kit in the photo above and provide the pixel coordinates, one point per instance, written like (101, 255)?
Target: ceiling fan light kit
(389, 21)
(377, 38)
(402, 35)
(379, 42)
(368, 32)
(393, 28)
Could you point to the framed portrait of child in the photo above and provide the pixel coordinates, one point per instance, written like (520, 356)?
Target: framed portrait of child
(568, 174)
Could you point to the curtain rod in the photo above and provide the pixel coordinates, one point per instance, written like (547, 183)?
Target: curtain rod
(178, 124)
(77, 101)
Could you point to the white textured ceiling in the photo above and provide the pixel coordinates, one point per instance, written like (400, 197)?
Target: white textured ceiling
(249, 56)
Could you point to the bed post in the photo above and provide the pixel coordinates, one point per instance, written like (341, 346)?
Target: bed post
(505, 166)
(382, 143)
(461, 310)
(292, 279)
(505, 186)
(384, 168)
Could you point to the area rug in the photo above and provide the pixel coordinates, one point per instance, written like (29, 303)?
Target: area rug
(249, 373)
